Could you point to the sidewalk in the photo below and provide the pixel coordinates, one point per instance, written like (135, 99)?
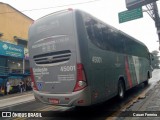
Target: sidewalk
(15, 94)
(17, 98)
(143, 107)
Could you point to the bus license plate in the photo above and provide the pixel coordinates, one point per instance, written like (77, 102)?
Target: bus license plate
(54, 101)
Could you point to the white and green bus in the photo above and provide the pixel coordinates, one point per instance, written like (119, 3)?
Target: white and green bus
(78, 60)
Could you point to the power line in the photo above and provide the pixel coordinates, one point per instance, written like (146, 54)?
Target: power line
(54, 7)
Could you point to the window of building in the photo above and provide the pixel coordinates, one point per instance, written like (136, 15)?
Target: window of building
(1, 34)
(21, 42)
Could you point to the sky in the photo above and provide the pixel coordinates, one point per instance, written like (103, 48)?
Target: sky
(142, 29)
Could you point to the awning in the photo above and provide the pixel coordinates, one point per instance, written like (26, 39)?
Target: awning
(27, 74)
(15, 77)
(1, 80)
(15, 74)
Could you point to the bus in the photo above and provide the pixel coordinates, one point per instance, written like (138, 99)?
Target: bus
(78, 60)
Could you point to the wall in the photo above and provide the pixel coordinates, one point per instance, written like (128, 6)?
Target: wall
(13, 23)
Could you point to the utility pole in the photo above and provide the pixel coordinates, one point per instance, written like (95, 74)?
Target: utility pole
(157, 20)
(152, 10)
(153, 13)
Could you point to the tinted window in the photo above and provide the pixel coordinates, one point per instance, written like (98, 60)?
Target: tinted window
(135, 48)
(94, 32)
(112, 39)
(108, 38)
(103, 36)
(130, 46)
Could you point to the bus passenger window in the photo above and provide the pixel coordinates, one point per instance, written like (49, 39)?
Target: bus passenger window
(94, 32)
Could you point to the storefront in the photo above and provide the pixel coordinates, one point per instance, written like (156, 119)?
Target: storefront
(13, 64)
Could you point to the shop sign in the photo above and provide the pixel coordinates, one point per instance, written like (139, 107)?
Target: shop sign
(12, 50)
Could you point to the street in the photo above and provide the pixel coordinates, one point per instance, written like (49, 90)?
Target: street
(105, 111)
(99, 57)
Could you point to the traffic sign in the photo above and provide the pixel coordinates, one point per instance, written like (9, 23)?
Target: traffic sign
(132, 4)
(130, 15)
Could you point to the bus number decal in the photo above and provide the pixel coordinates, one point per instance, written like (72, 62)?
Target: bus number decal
(67, 68)
(96, 59)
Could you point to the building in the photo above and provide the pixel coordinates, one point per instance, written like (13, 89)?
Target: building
(14, 64)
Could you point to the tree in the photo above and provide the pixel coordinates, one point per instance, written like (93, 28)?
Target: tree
(156, 61)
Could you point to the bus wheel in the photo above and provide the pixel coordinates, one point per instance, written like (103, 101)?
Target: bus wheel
(121, 89)
(147, 81)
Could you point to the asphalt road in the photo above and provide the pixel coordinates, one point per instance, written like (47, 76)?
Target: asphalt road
(102, 111)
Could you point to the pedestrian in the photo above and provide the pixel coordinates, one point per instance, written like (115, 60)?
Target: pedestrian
(29, 85)
(23, 86)
(20, 87)
(8, 87)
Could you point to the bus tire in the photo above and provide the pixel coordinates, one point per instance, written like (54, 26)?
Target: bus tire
(121, 89)
(147, 81)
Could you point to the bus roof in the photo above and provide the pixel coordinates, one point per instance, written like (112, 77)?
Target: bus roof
(56, 12)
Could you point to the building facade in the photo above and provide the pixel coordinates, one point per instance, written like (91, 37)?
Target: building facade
(14, 64)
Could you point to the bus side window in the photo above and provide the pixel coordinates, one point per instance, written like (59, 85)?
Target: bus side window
(112, 40)
(89, 30)
(131, 47)
(94, 32)
(102, 36)
(106, 41)
(98, 35)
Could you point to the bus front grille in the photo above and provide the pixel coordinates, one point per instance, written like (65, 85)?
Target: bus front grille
(52, 58)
